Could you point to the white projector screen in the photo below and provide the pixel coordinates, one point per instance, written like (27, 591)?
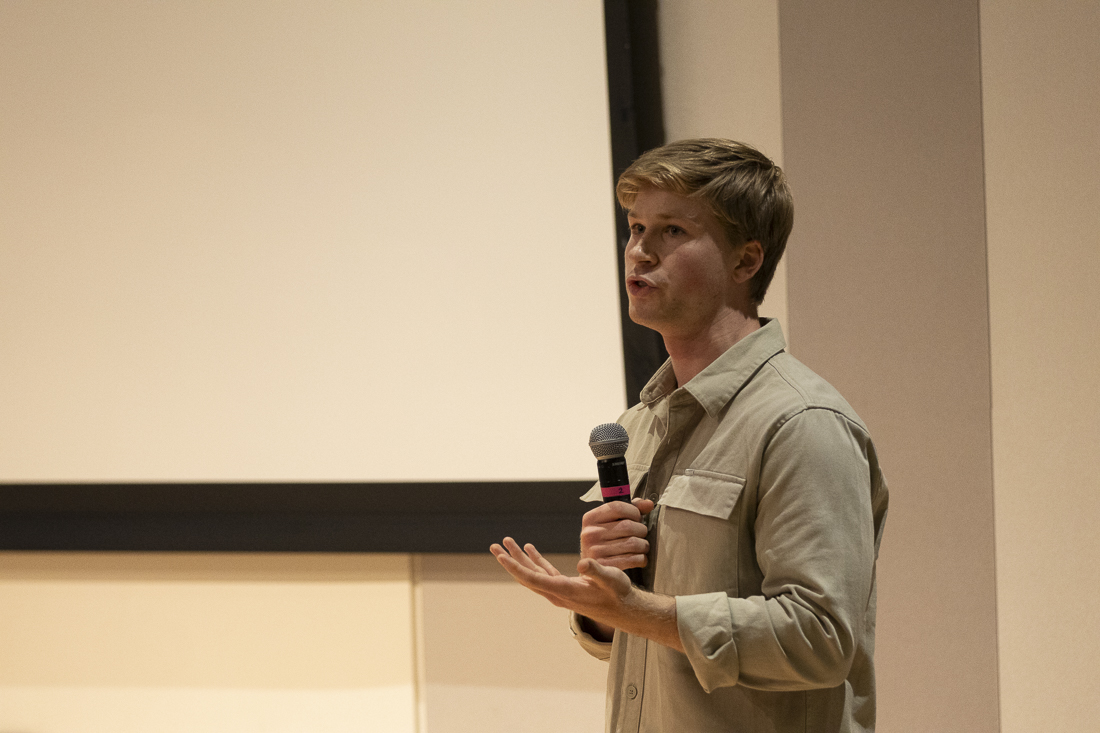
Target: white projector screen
(299, 240)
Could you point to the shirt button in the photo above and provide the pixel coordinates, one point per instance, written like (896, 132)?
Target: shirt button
(653, 498)
(631, 691)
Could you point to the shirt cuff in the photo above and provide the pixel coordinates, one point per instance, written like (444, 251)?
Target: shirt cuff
(706, 631)
(595, 647)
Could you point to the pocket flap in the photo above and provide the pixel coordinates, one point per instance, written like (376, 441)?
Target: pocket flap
(703, 492)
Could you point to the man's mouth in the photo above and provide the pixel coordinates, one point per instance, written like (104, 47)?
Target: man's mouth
(638, 286)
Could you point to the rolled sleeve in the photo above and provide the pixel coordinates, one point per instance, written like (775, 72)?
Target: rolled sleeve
(706, 631)
(599, 649)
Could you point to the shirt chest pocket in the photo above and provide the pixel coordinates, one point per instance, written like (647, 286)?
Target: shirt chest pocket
(697, 537)
(709, 493)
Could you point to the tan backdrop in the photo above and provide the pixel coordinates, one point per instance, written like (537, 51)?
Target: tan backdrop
(941, 274)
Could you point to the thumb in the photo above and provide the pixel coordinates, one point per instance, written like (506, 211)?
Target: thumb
(612, 579)
(645, 506)
(591, 569)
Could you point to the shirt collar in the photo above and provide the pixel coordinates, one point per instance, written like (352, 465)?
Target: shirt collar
(724, 377)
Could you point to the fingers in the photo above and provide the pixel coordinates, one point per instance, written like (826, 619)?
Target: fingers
(614, 524)
(509, 553)
(602, 544)
(540, 560)
(632, 552)
(618, 543)
(518, 570)
(592, 594)
(614, 535)
(599, 534)
(645, 506)
(521, 557)
(555, 588)
(612, 511)
(529, 557)
(623, 562)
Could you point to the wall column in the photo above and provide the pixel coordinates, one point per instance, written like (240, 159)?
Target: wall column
(882, 137)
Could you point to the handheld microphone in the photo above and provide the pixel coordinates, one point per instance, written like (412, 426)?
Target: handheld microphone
(609, 443)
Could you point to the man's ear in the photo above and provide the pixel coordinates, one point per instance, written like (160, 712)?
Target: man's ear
(752, 258)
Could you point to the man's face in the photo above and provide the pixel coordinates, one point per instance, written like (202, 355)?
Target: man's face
(679, 265)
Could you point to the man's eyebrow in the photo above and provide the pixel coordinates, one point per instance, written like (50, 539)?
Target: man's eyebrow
(661, 216)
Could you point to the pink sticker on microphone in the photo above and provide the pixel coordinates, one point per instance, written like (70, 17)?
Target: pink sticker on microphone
(613, 491)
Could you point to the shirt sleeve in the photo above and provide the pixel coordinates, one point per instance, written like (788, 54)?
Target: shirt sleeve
(815, 546)
(599, 649)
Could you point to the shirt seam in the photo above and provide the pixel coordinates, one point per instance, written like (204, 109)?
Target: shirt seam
(807, 405)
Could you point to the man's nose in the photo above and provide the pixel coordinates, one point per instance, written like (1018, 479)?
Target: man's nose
(639, 248)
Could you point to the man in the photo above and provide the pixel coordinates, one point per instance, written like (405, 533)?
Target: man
(758, 502)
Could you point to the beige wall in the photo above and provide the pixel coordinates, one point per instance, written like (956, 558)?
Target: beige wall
(496, 657)
(125, 643)
(1041, 104)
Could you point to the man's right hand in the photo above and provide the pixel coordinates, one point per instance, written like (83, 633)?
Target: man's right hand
(613, 534)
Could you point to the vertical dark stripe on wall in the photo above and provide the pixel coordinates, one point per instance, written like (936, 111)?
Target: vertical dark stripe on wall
(637, 124)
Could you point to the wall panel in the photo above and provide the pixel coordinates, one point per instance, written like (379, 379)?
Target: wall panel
(882, 136)
(1042, 123)
(130, 642)
(496, 657)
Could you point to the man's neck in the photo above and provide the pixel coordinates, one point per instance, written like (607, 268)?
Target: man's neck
(692, 353)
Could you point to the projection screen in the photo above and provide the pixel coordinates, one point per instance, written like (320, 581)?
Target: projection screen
(305, 241)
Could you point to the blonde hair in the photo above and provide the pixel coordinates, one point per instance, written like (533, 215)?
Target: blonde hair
(741, 186)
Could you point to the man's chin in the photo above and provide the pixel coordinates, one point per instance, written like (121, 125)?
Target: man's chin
(642, 318)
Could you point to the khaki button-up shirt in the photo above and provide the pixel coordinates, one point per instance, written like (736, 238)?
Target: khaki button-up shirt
(770, 509)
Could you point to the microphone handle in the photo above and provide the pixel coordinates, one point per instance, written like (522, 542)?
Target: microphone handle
(615, 486)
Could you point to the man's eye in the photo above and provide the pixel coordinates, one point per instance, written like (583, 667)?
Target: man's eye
(675, 231)
(637, 229)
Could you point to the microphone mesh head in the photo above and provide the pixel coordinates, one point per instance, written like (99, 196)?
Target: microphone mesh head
(608, 440)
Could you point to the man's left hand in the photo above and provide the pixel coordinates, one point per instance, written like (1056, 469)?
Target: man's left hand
(601, 593)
